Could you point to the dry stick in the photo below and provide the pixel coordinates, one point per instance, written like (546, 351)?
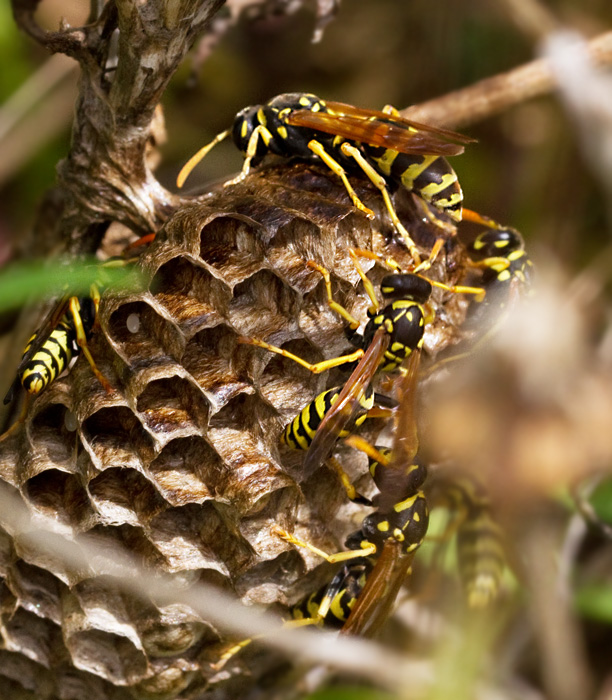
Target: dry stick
(500, 92)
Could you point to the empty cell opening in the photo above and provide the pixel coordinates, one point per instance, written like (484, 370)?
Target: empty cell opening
(38, 590)
(286, 384)
(218, 363)
(128, 538)
(116, 437)
(263, 306)
(192, 296)
(125, 496)
(245, 433)
(19, 674)
(109, 655)
(231, 246)
(51, 434)
(35, 637)
(171, 404)
(143, 337)
(291, 248)
(59, 495)
(196, 537)
(187, 470)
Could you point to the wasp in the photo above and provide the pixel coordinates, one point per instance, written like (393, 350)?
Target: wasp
(391, 151)
(391, 334)
(481, 556)
(390, 535)
(330, 606)
(62, 336)
(507, 269)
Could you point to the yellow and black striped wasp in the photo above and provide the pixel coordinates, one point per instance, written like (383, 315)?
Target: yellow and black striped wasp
(378, 555)
(329, 606)
(390, 536)
(391, 151)
(507, 269)
(391, 334)
(63, 335)
(480, 546)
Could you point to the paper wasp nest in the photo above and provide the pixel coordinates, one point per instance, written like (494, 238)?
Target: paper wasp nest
(182, 465)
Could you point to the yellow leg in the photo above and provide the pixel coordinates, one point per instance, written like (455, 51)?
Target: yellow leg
(364, 446)
(476, 218)
(316, 368)
(259, 132)
(429, 215)
(94, 293)
(367, 285)
(351, 491)
(379, 181)
(289, 624)
(435, 251)
(82, 342)
(338, 170)
(340, 310)
(367, 550)
(195, 159)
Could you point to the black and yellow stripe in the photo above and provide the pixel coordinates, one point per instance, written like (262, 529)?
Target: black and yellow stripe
(52, 358)
(501, 251)
(480, 549)
(332, 604)
(481, 558)
(300, 432)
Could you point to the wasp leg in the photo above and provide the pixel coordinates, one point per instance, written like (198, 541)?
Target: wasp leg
(367, 448)
(195, 159)
(81, 339)
(340, 310)
(314, 620)
(351, 491)
(259, 132)
(367, 549)
(476, 218)
(390, 262)
(338, 170)
(379, 182)
(317, 368)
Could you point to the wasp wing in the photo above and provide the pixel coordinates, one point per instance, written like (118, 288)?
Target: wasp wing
(375, 601)
(406, 441)
(381, 129)
(346, 405)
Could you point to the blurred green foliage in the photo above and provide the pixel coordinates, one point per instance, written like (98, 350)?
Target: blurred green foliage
(20, 281)
(339, 692)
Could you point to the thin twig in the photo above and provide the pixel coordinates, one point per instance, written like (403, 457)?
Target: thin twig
(494, 95)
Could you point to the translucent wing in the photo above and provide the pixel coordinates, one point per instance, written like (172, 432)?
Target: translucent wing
(375, 601)
(381, 129)
(347, 404)
(406, 441)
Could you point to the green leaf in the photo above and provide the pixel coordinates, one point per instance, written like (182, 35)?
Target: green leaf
(24, 282)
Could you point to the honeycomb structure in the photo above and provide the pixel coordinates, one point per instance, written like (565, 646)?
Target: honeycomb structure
(181, 465)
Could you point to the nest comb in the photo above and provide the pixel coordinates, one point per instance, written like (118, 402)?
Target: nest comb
(182, 465)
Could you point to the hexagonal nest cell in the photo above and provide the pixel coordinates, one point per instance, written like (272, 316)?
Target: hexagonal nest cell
(181, 464)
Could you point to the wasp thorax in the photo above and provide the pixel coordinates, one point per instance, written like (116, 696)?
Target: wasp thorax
(406, 287)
